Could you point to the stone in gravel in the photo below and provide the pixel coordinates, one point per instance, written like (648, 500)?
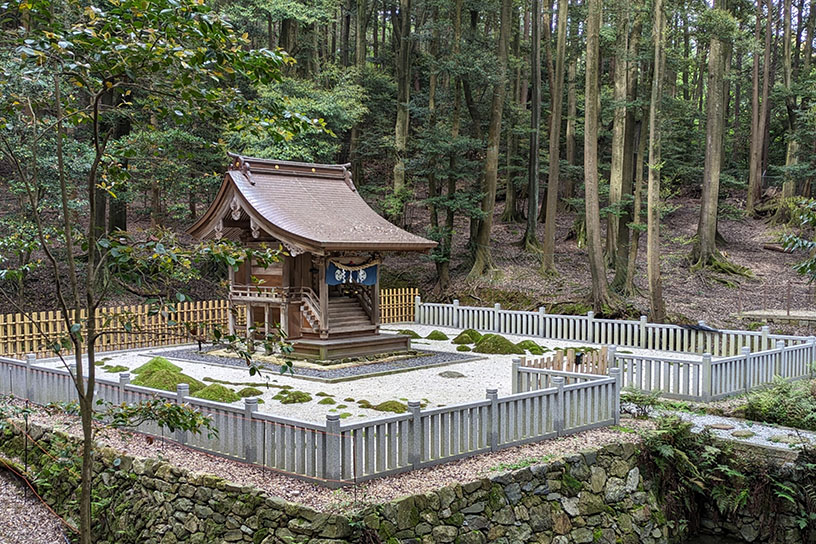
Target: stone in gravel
(720, 426)
(743, 434)
(787, 439)
(451, 374)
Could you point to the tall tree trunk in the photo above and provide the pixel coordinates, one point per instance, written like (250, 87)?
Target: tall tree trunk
(759, 111)
(592, 107)
(572, 113)
(530, 240)
(554, 170)
(657, 308)
(792, 154)
(402, 30)
(631, 265)
(359, 63)
(482, 259)
(705, 250)
(511, 212)
(345, 43)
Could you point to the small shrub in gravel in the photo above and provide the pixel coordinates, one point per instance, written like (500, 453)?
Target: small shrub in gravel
(497, 345)
(167, 380)
(462, 347)
(408, 332)
(293, 397)
(157, 363)
(437, 335)
(250, 392)
(327, 400)
(531, 346)
(218, 393)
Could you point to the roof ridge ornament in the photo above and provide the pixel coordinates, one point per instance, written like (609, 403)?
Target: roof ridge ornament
(347, 178)
(243, 165)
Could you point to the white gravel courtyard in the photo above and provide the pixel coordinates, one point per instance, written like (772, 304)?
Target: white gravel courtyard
(422, 384)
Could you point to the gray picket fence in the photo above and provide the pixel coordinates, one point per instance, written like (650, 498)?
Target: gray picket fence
(588, 328)
(708, 378)
(335, 454)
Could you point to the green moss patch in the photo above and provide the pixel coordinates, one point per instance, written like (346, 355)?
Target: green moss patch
(293, 397)
(218, 393)
(322, 394)
(409, 332)
(167, 380)
(348, 399)
(344, 415)
(249, 392)
(437, 335)
(115, 369)
(467, 336)
(391, 406)
(327, 400)
(157, 363)
(497, 344)
(531, 346)
(462, 347)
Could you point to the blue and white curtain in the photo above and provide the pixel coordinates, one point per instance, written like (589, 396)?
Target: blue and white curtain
(338, 275)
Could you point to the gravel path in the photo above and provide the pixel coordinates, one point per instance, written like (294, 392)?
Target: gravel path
(742, 430)
(23, 518)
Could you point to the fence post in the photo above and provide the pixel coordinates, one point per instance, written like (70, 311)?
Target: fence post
(417, 306)
(560, 408)
(496, 321)
(706, 392)
(29, 378)
(766, 331)
(542, 312)
(415, 453)
(642, 331)
(493, 397)
(250, 438)
(456, 313)
(610, 356)
(590, 326)
(515, 379)
(333, 451)
(747, 371)
(182, 391)
(616, 374)
(812, 358)
(72, 390)
(781, 359)
(124, 380)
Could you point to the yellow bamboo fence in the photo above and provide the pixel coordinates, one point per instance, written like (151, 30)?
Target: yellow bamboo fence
(37, 332)
(397, 305)
(570, 360)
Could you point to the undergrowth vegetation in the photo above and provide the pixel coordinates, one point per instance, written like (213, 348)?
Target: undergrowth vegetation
(792, 404)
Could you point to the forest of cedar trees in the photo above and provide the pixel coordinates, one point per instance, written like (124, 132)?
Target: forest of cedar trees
(628, 156)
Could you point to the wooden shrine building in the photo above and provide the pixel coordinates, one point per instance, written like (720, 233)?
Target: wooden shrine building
(325, 291)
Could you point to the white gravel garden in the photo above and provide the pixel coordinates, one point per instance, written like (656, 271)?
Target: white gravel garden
(358, 397)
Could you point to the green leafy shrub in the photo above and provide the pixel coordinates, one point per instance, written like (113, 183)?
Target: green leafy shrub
(497, 344)
(250, 392)
(637, 402)
(532, 347)
(157, 363)
(467, 336)
(408, 332)
(218, 393)
(437, 335)
(462, 347)
(167, 380)
(293, 396)
(792, 404)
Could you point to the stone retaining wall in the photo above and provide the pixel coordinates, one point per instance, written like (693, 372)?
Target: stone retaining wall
(592, 496)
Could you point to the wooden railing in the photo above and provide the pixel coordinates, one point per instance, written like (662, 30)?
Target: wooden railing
(242, 293)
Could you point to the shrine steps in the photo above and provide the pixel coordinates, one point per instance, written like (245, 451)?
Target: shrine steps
(359, 345)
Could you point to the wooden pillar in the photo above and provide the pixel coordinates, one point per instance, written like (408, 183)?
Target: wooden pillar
(286, 282)
(266, 321)
(324, 298)
(375, 302)
(248, 320)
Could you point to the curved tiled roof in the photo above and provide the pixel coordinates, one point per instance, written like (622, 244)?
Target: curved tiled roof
(314, 206)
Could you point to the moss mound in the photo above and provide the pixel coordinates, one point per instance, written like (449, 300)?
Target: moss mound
(327, 400)
(250, 392)
(115, 369)
(157, 363)
(467, 336)
(531, 346)
(293, 397)
(394, 406)
(167, 380)
(437, 335)
(497, 345)
(217, 393)
(462, 347)
(409, 332)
